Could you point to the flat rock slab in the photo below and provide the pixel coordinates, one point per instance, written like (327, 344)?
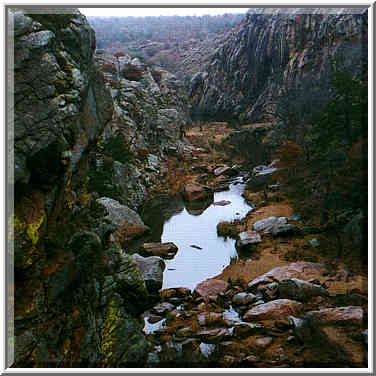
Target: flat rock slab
(165, 250)
(267, 225)
(276, 309)
(211, 287)
(301, 269)
(298, 289)
(119, 214)
(214, 335)
(341, 316)
(248, 238)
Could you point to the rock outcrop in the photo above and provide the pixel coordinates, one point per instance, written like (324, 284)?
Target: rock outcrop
(77, 296)
(271, 49)
(150, 114)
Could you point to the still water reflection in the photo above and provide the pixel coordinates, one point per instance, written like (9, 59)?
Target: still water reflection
(192, 265)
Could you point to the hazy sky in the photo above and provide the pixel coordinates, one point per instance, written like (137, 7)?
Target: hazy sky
(118, 12)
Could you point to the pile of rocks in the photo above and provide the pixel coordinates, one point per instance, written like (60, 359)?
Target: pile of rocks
(283, 318)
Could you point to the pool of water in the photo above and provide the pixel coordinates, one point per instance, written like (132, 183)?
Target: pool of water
(185, 228)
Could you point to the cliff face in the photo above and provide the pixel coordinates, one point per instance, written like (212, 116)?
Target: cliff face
(77, 294)
(271, 49)
(150, 113)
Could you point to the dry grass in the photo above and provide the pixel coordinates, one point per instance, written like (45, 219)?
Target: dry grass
(230, 229)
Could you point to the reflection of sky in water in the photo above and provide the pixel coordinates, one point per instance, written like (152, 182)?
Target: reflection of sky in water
(191, 266)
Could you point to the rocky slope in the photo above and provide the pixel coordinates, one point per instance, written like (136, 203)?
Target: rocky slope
(272, 49)
(77, 294)
(150, 114)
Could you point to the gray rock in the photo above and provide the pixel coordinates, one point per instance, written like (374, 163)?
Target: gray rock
(298, 289)
(151, 269)
(248, 239)
(283, 229)
(265, 224)
(120, 214)
(243, 298)
(163, 308)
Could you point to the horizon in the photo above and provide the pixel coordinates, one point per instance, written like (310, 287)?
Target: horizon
(157, 12)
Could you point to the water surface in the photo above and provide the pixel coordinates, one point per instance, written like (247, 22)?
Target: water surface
(191, 266)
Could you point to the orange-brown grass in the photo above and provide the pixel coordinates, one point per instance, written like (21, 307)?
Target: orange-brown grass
(276, 209)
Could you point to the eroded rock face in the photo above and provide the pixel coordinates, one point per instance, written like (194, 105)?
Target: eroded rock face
(73, 293)
(150, 113)
(242, 77)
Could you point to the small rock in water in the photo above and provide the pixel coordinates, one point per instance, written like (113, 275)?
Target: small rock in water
(222, 203)
(195, 246)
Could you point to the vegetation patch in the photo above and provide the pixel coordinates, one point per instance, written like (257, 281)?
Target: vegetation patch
(229, 229)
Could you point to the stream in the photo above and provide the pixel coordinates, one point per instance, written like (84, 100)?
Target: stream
(187, 228)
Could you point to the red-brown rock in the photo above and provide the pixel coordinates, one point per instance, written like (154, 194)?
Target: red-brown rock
(164, 250)
(273, 310)
(211, 287)
(197, 192)
(301, 269)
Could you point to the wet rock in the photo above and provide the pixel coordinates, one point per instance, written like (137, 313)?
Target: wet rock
(341, 316)
(260, 344)
(214, 335)
(245, 329)
(275, 309)
(197, 192)
(248, 239)
(154, 319)
(210, 287)
(243, 298)
(163, 308)
(269, 291)
(179, 292)
(151, 269)
(120, 214)
(164, 250)
(298, 289)
(301, 269)
(226, 170)
(210, 318)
